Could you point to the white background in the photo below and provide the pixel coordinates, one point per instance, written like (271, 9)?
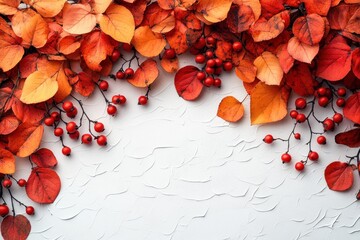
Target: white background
(173, 170)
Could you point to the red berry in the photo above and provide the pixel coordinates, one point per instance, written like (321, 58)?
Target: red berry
(127, 47)
(323, 101)
(4, 210)
(170, 53)
(218, 62)
(120, 75)
(300, 118)
(321, 140)
(209, 54)
(49, 121)
(293, 114)
(338, 118)
(73, 113)
(55, 116)
(99, 127)
(217, 82)
(268, 139)
(211, 63)
(30, 210)
(313, 156)
(200, 59)
(122, 99)
(101, 140)
(299, 166)
(297, 136)
(328, 93)
(218, 71)
(66, 151)
(300, 103)
(67, 106)
(321, 91)
(75, 135)
(194, 51)
(115, 99)
(237, 46)
(21, 182)
(228, 66)
(142, 100)
(71, 127)
(209, 70)
(340, 102)
(104, 85)
(129, 73)
(209, 81)
(111, 110)
(201, 76)
(328, 124)
(115, 55)
(210, 41)
(200, 43)
(341, 92)
(86, 138)
(286, 158)
(7, 183)
(58, 132)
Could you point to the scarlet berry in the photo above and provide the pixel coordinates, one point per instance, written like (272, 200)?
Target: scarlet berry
(129, 73)
(209, 54)
(210, 41)
(218, 62)
(321, 140)
(86, 138)
(101, 140)
(122, 99)
(299, 166)
(200, 59)
(194, 51)
(66, 151)
(127, 47)
(115, 99)
(218, 71)
(237, 46)
(323, 101)
(55, 116)
(328, 93)
(211, 63)
(297, 136)
(268, 139)
(328, 124)
(338, 118)
(142, 100)
(21, 182)
(99, 127)
(286, 158)
(341, 92)
(120, 75)
(209, 70)
(7, 183)
(321, 91)
(300, 103)
(73, 113)
(49, 121)
(201, 76)
(75, 135)
(58, 132)
(170, 53)
(217, 82)
(209, 81)
(111, 110)
(293, 114)
(200, 43)
(115, 55)
(71, 127)
(313, 156)
(30, 210)
(104, 85)
(4, 210)
(228, 66)
(300, 118)
(340, 102)
(67, 106)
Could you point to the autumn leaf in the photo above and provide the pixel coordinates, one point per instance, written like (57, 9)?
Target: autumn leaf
(320, 7)
(301, 80)
(44, 158)
(146, 74)
(264, 29)
(118, 22)
(246, 71)
(83, 84)
(309, 29)
(8, 124)
(349, 138)
(9, 7)
(345, 17)
(7, 162)
(177, 38)
(230, 109)
(302, 51)
(285, 59)
(334, 60)
(213, 11)
(339, 176)
(172, 4)
(78, 19)
(137, 9)
(148, 43)
(68, 45)
(15, 227)
(47, 8)
(187, 85)
(158, 19)
(170, 65)
(355, 62)
(240, 18)
(100, 6)
(267, 104)
(253, 4)
(25, 139)
(33, 113)
(43, 185)
(352, 108)
(269, 70)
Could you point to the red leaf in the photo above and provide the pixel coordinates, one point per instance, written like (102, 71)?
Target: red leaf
(15, 228)
(186, 83)
(8, 124)
(352, 108)
(301, 80)
(43, 185)
(355, 62)
(339, 176)
(240, 18)
(350, 138)
(44, 158)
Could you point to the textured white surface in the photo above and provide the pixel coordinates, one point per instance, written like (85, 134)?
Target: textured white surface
(173, 170)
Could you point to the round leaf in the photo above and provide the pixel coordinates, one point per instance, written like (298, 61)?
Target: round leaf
(352, 108)
(15, 227)
(44, 158)
(269, 70)
(302, 51)
(309, 29)
(230, 109)
(78, 19)
(7, 162)
(146, 74)
(148, 43)
(339, 176)
(187, 85)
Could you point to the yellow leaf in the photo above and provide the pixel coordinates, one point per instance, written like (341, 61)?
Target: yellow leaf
(78, 19)
(302, 51)
(267, 104)
(7, 162)
(38, 87)
(230, 109)
(268, 69)
(214, 11)
(48, 8)
(118, 22)
(100, 6)
(148, 43)
(9, 7)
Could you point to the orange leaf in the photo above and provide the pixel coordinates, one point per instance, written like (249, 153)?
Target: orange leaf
(83, 84)
(269, 70)
(100, 6)
(355, 62)
(223, 50)
(309, 29)
(137, 9)
(177, 38)
(253, 4)
(285, 59)
(8, 124)
(345, 17)
(47, 8)
(320, 7)
(28, 113)
(118, 22)
(302, 51)
(172, 4)
(78, 19)
(146, 74)
(159, 20)
(10, 50)
(334, 60)
(148, 43)
(267, 104)
(9, 7)
(267, 29)
(7, 162)
(187, 85)
(26, 139)
(170, 65)
(68, 45)
(214, 11)
(246, 71)
(64, 88)
(230, 109)
(39, 87)
(240, 18)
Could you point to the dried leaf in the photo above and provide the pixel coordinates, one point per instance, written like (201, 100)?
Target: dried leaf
(78, 19)
(230, 109)
(214, 11)
(170, 65)
(146, 74)
(246, 71)
(187, 85)
(47, 8)
(9, 7)
(8, 124)
(268, 69)
(148, 43)
(352, 108)
(15, 227)
(309, 29)
(44, 158)
(302, 51)
(350, 138)
(7, 162)
(339, 176)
